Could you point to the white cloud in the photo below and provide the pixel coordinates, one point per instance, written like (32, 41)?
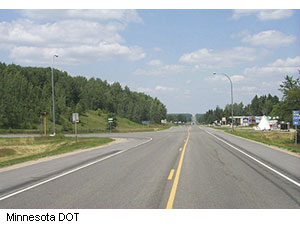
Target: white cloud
(76, 39)
(273, 85)
(289, 62)
(144, 90)
(209, 59)
(76, 54)
(277, 68)
(164, 88)
(161, 70)
(237, 78)
(270, 38)
(186, 96)
(99, 15)
(240, 90)
(196, 67)
(157, 49)
(274, 14)
(262, 15)
(220, 77)
(155, 62)
(157, 89)
(246, 90)
(237, 14)
(187, 92)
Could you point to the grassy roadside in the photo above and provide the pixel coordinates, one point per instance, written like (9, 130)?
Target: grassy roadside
(91, 122)
(283, 140)
(17, 150)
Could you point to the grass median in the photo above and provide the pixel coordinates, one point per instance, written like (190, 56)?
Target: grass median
(17, 150)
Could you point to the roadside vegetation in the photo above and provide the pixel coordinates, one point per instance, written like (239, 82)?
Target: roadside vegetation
(181, 117)
(285, 140)
(17, 150)
(26, 96)
(263, 105)
(91, 122)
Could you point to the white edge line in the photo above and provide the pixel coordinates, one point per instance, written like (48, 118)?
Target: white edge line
(263, 164)
(69, 172)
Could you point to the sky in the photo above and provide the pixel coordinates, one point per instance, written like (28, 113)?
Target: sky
(168, 54)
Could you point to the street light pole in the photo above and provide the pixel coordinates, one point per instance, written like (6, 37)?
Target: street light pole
(231, 96)
(53, 94)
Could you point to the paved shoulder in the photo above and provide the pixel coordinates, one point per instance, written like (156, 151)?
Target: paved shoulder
(282, 161)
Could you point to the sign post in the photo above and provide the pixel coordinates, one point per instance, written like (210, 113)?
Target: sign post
(45, 123)
(41, 121)
(110, 120)
(75, 117)
(296, 116)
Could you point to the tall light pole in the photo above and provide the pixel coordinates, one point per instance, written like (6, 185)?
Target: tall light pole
(231, 96)
(53, 94)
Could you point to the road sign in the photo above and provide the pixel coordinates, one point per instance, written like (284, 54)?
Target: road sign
(296, 116)
(296, 123)
(75, 117)
(110, 120)
(145, 122)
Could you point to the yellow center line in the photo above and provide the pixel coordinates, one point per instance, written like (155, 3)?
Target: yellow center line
(171, 174)
(176, 179)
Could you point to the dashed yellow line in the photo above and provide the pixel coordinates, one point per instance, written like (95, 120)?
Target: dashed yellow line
(176, 179)
(171, 174)
(180, 149)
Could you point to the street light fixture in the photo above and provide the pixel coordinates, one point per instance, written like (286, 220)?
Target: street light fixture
(53, 94)
(231, 96)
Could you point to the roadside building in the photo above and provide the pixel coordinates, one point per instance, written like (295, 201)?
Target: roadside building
(252, 120)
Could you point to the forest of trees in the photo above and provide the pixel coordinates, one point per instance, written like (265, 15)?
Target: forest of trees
(263, 105)
(183, 117)
(26, 93)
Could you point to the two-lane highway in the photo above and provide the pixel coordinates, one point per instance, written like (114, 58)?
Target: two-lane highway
(183, 167)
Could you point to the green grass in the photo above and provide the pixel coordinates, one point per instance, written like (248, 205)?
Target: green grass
(283, 140)
(91, 122)
(17, 150)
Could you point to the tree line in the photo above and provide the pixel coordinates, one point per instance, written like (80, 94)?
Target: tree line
(261, 105)
(183, 117)
(26, 93)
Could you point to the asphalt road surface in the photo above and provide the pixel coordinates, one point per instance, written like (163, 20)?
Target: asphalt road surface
(183, 167)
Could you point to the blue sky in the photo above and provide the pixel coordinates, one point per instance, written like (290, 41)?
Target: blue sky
(170, 54)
